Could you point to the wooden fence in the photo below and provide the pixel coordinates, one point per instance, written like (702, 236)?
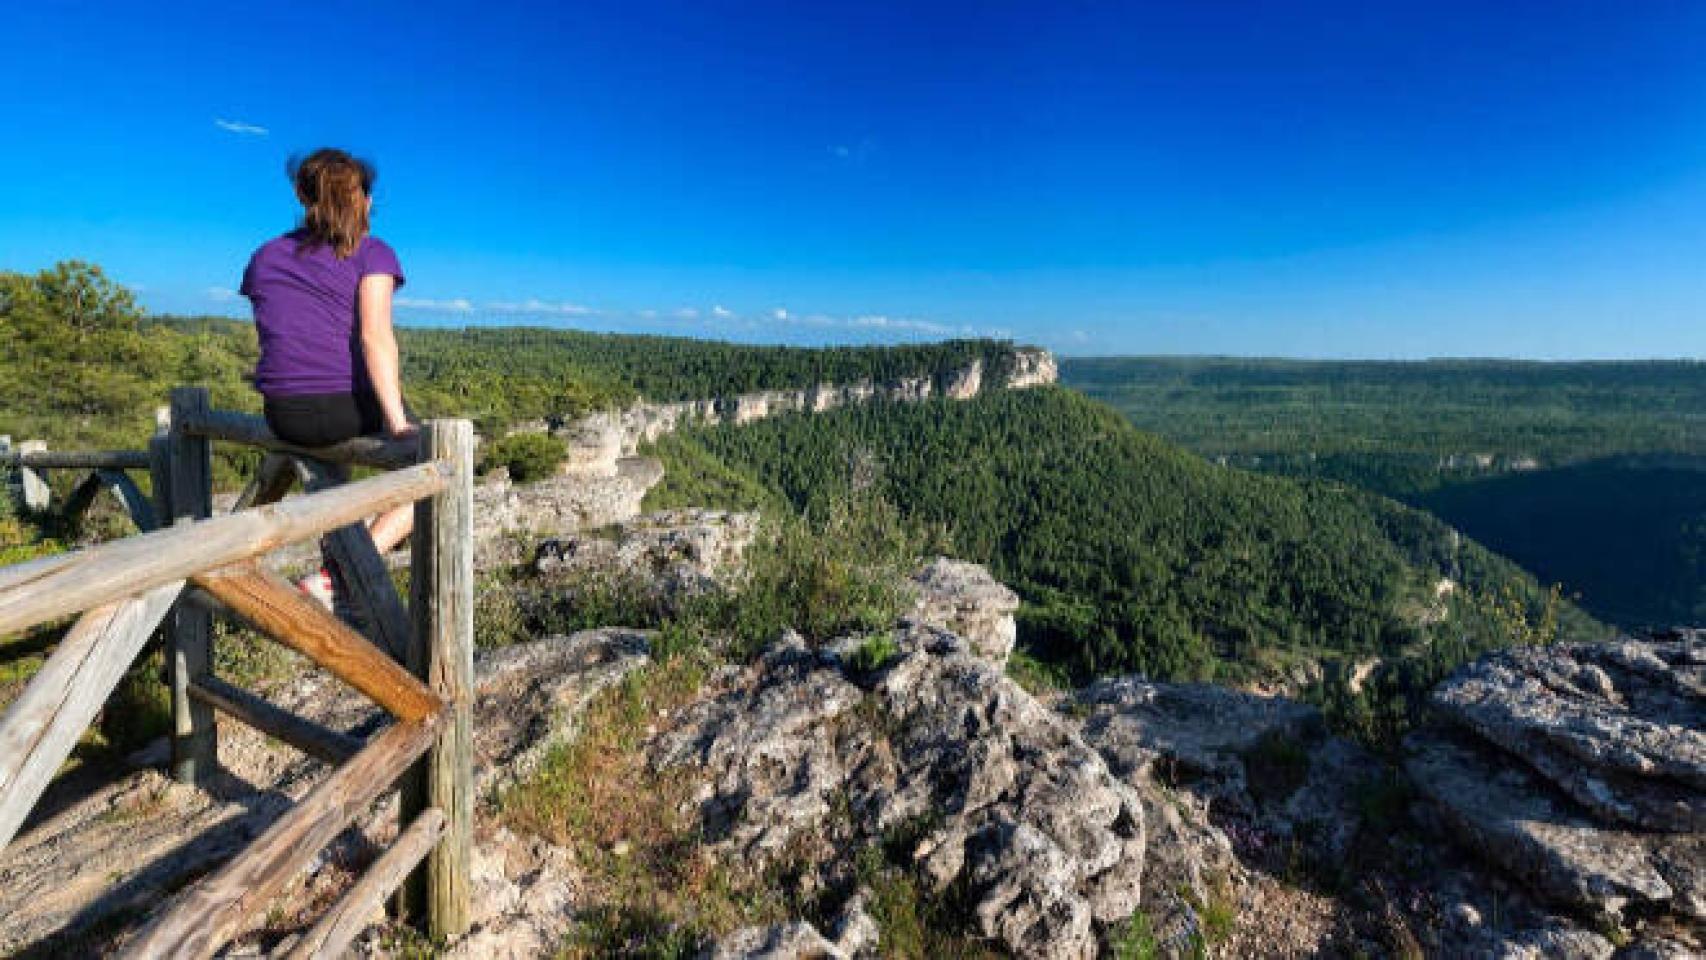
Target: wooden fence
(416, 661)
(102, 470)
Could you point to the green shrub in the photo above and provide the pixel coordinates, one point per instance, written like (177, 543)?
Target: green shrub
(1134, 939)
(842, 572)
(1036, 676)
(528, 456)
(873, 653)
(498, 618)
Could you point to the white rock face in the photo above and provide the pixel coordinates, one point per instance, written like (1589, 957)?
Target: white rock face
(965, 384)
(1033, 368)
(596, 442)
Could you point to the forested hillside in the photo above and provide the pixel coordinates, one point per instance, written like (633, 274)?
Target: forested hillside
(1588, 474)
(1134, 554)
(1405, 428)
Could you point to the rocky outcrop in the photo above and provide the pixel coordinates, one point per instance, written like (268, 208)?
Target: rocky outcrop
(1225, 760)
(856, 935)
(509, 517)
(528, 696)
(598, 442)
(1004, 799)
(1509, 815)
(962, 598)
(1619, 727)
(1033, 368)
(1579, 770)
(678, 550)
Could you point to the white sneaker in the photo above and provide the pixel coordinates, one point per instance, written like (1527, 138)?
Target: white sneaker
(318, 587)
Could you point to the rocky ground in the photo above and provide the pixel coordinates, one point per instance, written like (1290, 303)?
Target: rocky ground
(1555, 812)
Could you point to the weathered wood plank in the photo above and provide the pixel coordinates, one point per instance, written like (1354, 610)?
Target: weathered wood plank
(311, 738)
(41, 727)
(273, 604)
(253, 431)
(63, 585)
(160, 475)
(189, 640)
(442, 579)
(140, 508)
(207, 916)
(76, 459)
(364, 574)
(355, 910)
(277, 473)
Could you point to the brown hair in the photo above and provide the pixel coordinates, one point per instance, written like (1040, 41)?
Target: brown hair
(333, 187)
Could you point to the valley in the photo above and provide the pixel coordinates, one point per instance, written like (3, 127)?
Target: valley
(1589, 475)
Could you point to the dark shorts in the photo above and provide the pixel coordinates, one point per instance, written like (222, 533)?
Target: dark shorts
(322, 419)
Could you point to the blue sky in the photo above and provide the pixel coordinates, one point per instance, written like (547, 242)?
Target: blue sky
(1383, 180)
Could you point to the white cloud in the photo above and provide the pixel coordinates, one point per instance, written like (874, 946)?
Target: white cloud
(780, 313)
(456, 305)
(240, 127)
(221, 294)
(880, 322)
(535, 305)
(686, 313)
(721, 312)
(855, 153)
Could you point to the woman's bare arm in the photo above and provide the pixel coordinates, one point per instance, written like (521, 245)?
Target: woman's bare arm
(379, 347)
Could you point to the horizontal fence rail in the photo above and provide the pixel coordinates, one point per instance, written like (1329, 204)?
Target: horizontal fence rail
(77, 459)
(388, 452)
(45, 590)
(415, 660)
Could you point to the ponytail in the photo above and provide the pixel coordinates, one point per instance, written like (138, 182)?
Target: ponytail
(333, 187)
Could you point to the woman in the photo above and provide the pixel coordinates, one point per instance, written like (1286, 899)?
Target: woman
(322, 302)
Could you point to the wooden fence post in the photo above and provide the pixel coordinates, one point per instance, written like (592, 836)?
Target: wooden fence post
(6, 479)
(189, 654)
(37, 494)
(442, 653)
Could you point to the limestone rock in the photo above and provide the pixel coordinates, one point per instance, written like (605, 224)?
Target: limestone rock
(1556, 942)
(595, 444)
(1620, 727)
(966, 383)
(794, 940)
(508, 518)
(1033, 368)
(1266, 763)
(962, 598)
(528, 695)
(1510, 815)
(1202, 727)
(676, 549)
(1016, 806)
(856, 935)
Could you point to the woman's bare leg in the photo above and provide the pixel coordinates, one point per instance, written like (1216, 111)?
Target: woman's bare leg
(389, 528)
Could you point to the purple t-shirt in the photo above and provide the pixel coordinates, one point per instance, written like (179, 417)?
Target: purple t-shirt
(305, 312)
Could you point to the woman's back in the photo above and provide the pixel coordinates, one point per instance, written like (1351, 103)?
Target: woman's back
(304, 298)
